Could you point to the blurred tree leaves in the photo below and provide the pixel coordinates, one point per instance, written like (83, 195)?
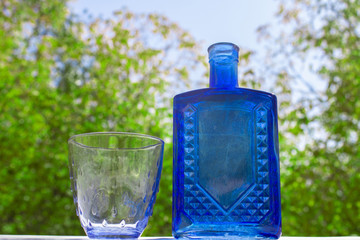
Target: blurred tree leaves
(318, 45)
(61, 76)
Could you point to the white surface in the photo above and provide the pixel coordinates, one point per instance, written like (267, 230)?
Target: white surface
(43, 237)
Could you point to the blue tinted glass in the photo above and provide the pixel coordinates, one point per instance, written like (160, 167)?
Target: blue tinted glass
(226, 158)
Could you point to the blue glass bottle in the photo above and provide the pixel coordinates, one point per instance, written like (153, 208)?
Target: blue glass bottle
(226, 157)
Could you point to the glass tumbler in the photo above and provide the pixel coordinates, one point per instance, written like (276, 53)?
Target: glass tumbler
(114, 178)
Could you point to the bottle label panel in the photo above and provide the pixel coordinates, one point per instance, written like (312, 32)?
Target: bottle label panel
(226, 169)
(225, 153)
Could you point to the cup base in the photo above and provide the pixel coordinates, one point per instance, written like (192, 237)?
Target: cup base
(113, 232)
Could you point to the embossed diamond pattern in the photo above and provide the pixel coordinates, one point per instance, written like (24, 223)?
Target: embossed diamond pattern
(199, 206)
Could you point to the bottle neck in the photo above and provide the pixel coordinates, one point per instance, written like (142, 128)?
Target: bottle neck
(223, 59)
(223, 74)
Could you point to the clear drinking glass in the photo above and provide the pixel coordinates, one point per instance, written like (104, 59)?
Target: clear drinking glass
(114, 178)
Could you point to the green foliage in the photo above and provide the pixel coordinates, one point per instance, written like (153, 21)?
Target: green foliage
(320, 142)
(60, 77)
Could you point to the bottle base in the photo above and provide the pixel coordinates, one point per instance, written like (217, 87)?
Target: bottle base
(225, 232)
(221, 236)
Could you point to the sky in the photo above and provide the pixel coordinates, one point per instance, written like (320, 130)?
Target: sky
(208, 21)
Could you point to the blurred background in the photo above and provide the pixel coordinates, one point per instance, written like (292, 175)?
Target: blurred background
(70, 67)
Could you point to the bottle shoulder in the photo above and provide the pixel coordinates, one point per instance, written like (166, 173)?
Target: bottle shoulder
(207, 93)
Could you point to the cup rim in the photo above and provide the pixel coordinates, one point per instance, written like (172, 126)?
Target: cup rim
(72, 140)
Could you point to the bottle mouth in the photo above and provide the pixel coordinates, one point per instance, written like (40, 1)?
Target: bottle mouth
(223, 50)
